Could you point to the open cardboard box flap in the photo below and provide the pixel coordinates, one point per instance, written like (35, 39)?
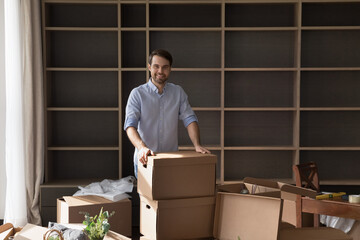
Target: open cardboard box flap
(268, 188)
(85, 200)
(287, 191)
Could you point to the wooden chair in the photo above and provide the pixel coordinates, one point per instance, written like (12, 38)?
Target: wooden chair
(307, 176)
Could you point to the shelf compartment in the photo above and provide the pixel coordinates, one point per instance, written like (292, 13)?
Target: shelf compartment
(133, 49)
(130, 80)
(241, 164)
(83, 128)
(273, 89)
(330, 89)
(334, 165)
(332, 48)
(133, 15)
(71, 164)
(209, 124)
(331, 14)
(329, 128)
(82, 89)
(185, 15)
(263, 128)
(190, 49)
(82, 49)
(203, 88)
(259, 15)
(259, 49)
(80, 15)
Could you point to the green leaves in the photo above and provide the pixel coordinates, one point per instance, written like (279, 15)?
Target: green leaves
(97, 227)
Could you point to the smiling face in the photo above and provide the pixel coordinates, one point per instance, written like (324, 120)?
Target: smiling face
(160, 70)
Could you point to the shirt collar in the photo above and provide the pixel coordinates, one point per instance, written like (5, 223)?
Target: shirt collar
(154, 88)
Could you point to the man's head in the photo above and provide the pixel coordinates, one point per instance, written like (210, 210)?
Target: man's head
(160, 62)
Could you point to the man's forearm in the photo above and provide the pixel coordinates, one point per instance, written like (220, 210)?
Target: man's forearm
(194, 133)
(135, 138)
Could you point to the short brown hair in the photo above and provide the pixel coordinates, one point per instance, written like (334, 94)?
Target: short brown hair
(162, 53)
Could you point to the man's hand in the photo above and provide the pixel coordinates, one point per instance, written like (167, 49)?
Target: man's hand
(143, 154)
(201, 149)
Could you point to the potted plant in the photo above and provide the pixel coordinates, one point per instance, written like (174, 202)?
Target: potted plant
(97, 227)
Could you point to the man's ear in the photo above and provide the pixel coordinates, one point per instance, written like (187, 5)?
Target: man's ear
(149, 66)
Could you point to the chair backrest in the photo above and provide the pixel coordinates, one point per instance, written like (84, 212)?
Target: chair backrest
(307, 175)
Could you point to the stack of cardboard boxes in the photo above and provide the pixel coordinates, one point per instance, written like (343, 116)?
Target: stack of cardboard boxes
(177, 195)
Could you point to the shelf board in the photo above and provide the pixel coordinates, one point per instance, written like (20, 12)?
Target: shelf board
(84, 148)
(196, 69)
(261, 148)
(329, 108)
(79, 29)
(185, 1)
(83, 1)
(68, 69)
(339, 148)
(260, 109)
(326, 28)
(261, 29)
(206, 108)
(210, 147)
(131, 29)
(330, 69)
(185, 29)
(261, 69)
(83, 109)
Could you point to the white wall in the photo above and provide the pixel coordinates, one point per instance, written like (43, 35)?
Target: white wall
(2, 112)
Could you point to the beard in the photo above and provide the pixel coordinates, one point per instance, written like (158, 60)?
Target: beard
(160, 78)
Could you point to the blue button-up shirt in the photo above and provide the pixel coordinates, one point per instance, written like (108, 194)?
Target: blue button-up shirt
(156, 116)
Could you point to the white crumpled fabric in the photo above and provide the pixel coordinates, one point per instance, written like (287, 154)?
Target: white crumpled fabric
(344, 224)
(114, 190)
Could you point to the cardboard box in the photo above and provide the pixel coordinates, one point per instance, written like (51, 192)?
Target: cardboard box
(68, 209)
(189, 218)
(258, 215)
(177, 175)
(273, 189)
(31, 232)
(7, 230)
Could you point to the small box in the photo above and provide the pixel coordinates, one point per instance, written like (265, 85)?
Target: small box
(68, 209)
(189, 218)
(273, 189)
(251, 216)
(174, 175)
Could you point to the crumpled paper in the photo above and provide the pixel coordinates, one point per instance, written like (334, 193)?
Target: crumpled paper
(114, 190)
(344, 224)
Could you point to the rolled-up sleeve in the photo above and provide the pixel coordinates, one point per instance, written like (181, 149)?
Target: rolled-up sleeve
(132, 112)
(186, 114)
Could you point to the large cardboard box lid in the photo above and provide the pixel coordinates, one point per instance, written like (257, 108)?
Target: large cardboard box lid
(181, 158)
(246, 216)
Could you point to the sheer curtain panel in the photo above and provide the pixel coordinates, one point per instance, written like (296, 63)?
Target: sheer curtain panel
(24, 107)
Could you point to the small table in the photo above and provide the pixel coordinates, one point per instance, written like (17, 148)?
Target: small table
(333, 207)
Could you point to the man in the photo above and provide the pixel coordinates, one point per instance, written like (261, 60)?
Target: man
(153, 111)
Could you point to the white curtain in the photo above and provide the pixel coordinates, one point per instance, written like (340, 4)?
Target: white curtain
(24, 121)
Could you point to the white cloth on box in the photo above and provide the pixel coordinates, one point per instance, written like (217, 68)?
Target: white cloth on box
(344, 224)
(114, 190)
